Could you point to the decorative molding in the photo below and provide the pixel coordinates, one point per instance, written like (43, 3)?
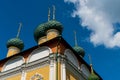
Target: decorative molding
(10, 73)
(52, 73)
(85, 70)
(71, 67)
(37, 51)
(17, 58)
(63, 68)
(25, 67)
(36, 77)
(52, 69)
(23, 72)
(72, 63)
(48, 60)
(71, 57)
(37, 64)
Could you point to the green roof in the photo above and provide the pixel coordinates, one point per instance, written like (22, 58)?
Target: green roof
(53, 24)
(93, 76)
(15, 42)
(79, 50)
(39, 31)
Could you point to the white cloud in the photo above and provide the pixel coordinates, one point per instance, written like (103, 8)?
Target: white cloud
(99, 16)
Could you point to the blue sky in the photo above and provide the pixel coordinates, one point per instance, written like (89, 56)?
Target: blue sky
(86, 17)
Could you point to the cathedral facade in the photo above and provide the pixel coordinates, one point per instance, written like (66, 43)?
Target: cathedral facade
(52, 59)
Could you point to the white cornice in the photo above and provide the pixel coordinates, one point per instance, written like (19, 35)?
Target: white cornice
(11, 72)
(70, 66)
(43, 62)
(26, 67)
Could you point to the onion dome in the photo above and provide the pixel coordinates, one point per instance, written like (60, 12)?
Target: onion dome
(39, 32)
(15, 42)
(93, 76)
(53, 24)
(79, 50)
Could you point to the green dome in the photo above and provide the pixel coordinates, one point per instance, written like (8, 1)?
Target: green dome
(79, 50)
(39, 31)
(53, 24)
(15, 42)
(93, 77)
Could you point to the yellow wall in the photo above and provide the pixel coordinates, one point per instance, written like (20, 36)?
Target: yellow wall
(17, 77)
(43, 71)
(71, 76)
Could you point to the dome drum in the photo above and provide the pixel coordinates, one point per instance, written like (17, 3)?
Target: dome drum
(42, 40)
(52, 33)
(12, 51)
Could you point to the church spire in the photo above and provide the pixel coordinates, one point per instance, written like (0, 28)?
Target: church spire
(54, 12)
(15, 45)
(48, 14)
(19, 29)
(90, 64)
(92, 76)
(77, 48)
(75, 37)
(49, 30)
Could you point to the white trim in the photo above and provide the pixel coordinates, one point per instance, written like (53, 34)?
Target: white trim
(23, 77)
(27, 67)
(9, 73)
(71, 57)
(37, 50)
(63, 71)
(52, 72)
(85, 70)
(52, 64)
(16, 57)
(75, 70)
(23, 72)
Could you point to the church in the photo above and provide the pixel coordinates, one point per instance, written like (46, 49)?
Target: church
(52, 59)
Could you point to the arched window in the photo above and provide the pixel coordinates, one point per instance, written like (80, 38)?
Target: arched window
(71, 57)
(39, 53)
(85, 70)
(13, 63)
(36, 77)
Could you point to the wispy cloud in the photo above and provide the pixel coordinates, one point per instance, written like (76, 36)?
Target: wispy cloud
(99, 17)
